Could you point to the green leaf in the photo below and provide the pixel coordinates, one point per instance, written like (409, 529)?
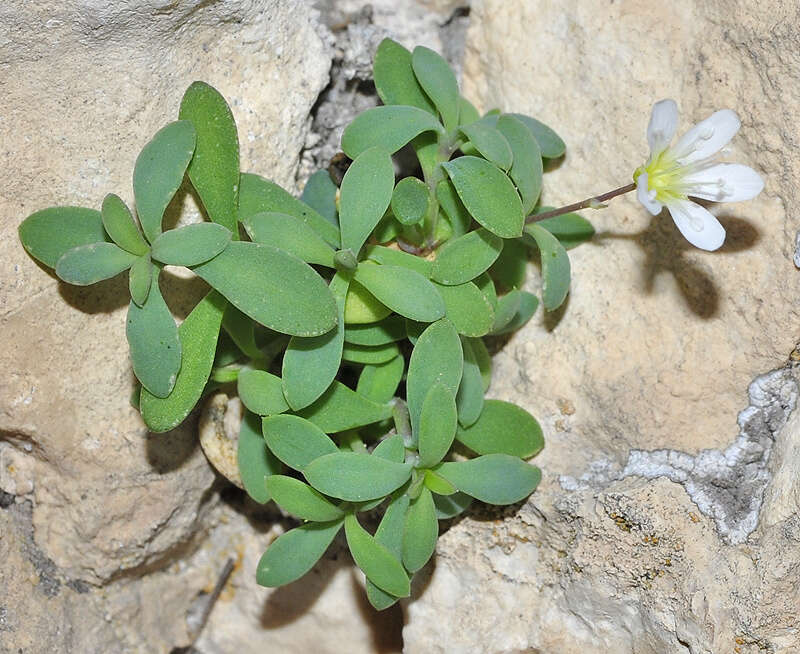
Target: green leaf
(369, 354)
(570, 229)
(257, 195)
(361, 307)
(485, 283)
(389, 128)
(256, 462)
(311, 364)
(549, 142)
(393, 257)
(380, 566)
(437, 357)
(454, 208)
(437, 425)
(467, 113)
(387, 229)
(526, 171)
(507, 307)
(356, 477)
(320, 194)
(302, 501)
(139, 279)
(391, 449)
(388, 330)
(198, 339)
(410, 200)
(272, 287)
(469, 398)
(490, 143)
(494, 478)
(364, 196)
(503, 428)
(89, 264)
(528, 303)
(379, 383)
(390, 535)
(294, 553)
(511, 267)
(439, 83)
(296, 441)
(451, 506)
(50, 233)
(420, 532)
(261, 392)
(159, 171)
(214, 169)
(291, 235)
(154, 343)
(403, 291)
(465, 257)
(467, 308)
(191, 245)
(394, 77)
(437, 484)
(121, 227)
(488, 195)
(241, 329)
(340, 409)
(555, 266)
(484, 360)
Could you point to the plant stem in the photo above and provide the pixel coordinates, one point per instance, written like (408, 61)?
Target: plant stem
(588, 202)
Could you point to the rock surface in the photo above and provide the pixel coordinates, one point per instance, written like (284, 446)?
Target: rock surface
(658, 529)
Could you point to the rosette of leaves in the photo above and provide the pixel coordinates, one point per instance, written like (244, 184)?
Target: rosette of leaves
(351, 321)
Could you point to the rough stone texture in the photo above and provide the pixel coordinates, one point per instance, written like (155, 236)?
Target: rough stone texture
(661, 525)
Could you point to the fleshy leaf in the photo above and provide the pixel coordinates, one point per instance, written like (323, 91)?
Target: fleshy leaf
(403, 291)
(380, 566)
(437, 357)
(372, 354)
(241, 329)
(526, 171)
(555, 266)
(365, 195)
(467, 113)
(320, 194)
(549, 142)
(394, 77)
(437, 425)
(356, 477)
(159, 171)
(507, 307)
(439, 83)
(49, 233)
(379, 383)
(296, 441)
(341, 408)
(311, 364)
(454, 208)
(362, 308)
(511, 267)
(485, 283)
(488, 195)
(390, 535)
(410, 200)
(570, 229)
(420, 532)
(154, 343)
(257, 195)
(272, 287)
(389, 127)
(198, 340)
(214, 169)
(121, 227)
(451, 506)
(89, 264)
(139, 279)
(388, 330)
(291, 235)
(528, 303)
(391, 449)
(294, 553)
(467, 308)
(490, 142)
(494, 478)
(469, 398)
(437, 484)
(256, 462)
(392, 257)
(302, 501)
(261, 392)
(464, 258)
(503, 428)
(191, 245)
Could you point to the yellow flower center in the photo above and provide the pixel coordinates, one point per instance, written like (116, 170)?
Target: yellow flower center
(664, 176)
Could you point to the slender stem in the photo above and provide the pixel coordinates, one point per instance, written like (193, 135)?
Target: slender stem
(589, 202)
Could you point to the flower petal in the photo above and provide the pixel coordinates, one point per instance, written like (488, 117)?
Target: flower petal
(646, 196)
(662, 126)
(723, 182)
(706, 138)
(697, 224)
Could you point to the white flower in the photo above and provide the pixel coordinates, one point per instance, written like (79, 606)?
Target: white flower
(673, 173)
